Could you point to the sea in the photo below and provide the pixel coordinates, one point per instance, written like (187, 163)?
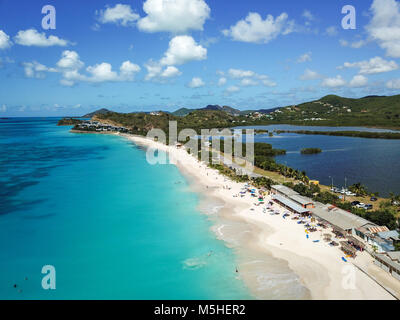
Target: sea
(110, 225)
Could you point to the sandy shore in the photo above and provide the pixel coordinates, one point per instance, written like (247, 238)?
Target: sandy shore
(305, 268)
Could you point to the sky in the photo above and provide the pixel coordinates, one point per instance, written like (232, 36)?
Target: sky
(130, 56)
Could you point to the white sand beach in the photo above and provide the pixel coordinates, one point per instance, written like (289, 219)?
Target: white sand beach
(318, 266)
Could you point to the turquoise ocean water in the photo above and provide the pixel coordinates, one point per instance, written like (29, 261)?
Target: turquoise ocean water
(113, 226)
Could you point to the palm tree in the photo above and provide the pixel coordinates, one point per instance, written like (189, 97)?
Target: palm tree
(397, 199)
(392, 197)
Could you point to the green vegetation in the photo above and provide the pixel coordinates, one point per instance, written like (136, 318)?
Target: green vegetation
(358, 134)
(182, 112)
(69, 122)
(359, 189)
(229, 173)
(310, 151)
(263, 182)
(264, 159)
(332, 110)
(269, 164)
(100, 111)
(394, 199)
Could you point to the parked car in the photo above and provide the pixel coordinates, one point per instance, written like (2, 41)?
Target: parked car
(368, 207)
(360, 205)
(354, 203)
(373, 199)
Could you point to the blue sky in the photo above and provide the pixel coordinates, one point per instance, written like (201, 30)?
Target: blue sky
(166, 54)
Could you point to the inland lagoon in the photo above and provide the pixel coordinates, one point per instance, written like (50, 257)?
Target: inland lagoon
(373, 162)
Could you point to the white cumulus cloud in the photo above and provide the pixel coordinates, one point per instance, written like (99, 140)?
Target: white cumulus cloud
(102, 72)
(358, 81)
(308, 15)
(222, 81)
(70, 67)
(157, 72)
(355, 44)
(196, 83)
(372, 66)
(31, 37)
(304, 57)
(170, 71)
(336, 82)
(384, 27)
(250, 78)
(5, 41)
(257, 30)
(268, 83)
(232, 89)
(309, 75)
(36, 70)
(70, 60)
(246, 82)
(128, 71)
(175, 16)
(238, 73)
(121, 14)
(183, 49)
(393, 84)
(331, 31)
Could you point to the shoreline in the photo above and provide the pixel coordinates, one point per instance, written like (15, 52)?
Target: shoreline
(276, 176)
(242, 237)
(283, 239)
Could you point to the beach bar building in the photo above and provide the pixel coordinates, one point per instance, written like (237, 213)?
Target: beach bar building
(290, 205)
(283, 191)
(390, 262)
(342, 222)
(379, 237)
(305, 202)
(292, 195)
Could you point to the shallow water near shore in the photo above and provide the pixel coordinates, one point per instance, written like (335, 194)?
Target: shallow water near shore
(267, 277)
(113, 226)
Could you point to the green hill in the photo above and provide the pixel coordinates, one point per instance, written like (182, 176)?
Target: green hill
(185, 111)
(332, 110)
(100, 111)
(182, 112)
